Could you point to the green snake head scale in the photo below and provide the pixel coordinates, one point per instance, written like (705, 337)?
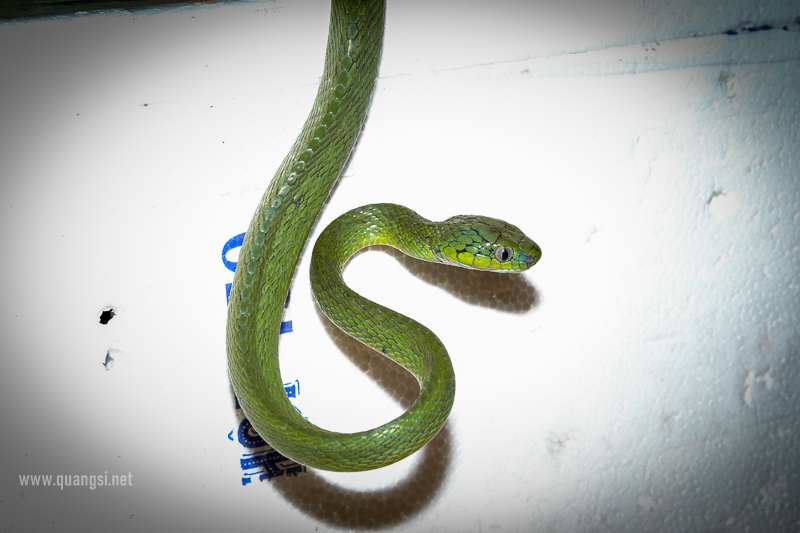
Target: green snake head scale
(485, 243)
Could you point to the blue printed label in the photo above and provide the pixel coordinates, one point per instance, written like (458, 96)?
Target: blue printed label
(259, 460)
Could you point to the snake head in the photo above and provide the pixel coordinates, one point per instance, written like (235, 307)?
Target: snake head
(485, 243)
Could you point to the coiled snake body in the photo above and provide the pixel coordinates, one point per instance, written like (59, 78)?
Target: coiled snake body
(276, 237)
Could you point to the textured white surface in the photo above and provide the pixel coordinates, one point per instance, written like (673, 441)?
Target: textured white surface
(642, 377)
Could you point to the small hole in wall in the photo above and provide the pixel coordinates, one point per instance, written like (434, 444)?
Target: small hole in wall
(109, 361)
(107, 315)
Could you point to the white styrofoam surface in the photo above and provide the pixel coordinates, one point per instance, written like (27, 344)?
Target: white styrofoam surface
(642, 377)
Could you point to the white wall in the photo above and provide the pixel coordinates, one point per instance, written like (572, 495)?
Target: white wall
(642, 377)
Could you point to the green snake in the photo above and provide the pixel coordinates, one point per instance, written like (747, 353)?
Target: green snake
(277, 235)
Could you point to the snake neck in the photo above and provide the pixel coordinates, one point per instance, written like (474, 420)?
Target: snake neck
(398, 337)
(387, 224)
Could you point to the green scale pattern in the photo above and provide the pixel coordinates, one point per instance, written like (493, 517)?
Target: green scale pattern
(280, 228)
(407, 342)
(277, 235)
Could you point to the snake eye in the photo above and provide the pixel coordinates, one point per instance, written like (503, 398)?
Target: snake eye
(504, 254)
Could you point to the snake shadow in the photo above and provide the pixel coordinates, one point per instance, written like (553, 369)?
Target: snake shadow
(349, 509)
(386, 507)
